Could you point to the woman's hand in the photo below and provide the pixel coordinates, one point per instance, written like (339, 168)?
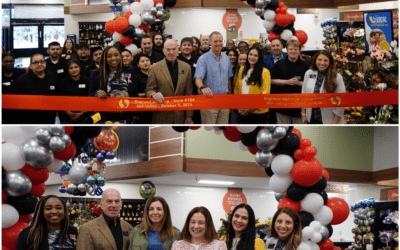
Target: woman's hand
(244, 112)
(102, 94)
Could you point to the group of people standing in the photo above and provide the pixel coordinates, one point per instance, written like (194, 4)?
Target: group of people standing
(50, 229)
(204, 67)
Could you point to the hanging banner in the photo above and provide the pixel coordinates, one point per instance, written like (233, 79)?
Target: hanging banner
(232, 199)
(232, 20)
(353, 16)
(378, 29)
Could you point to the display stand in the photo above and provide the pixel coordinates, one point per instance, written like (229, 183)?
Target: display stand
(94, 34)
(382, 209)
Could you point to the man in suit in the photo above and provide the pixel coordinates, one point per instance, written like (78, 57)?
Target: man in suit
(170, 77)
(106, 232)
(276, 55)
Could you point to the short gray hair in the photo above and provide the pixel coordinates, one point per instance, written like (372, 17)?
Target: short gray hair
(170, 41)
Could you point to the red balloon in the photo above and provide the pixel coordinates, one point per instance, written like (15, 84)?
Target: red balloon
(10, 234)
(286, 202)
(195, 127)
(282, 20)
(38, 189)
(127, 14)
(234, 135)
(302, 36)
(109, 28)
(325, 174)
(67, 153)
(278, 10)
(272, 35)
(25, 218)
(297, 132)
(306, 173)
(144, 27)
(120, 24)
(230, 128)
(284, 10)
(253, 149)
(326, 245)
(158, 1)
(69, 129)
(305, 143)
(126, 40)
(298, 154)
(340, 210)
(292, 17)
(37, 175)
(281, 4)
(4, 195)
(310, 152)
(4, 248)
(337, 248)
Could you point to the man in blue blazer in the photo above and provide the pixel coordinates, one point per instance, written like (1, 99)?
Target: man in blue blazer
(276, 55)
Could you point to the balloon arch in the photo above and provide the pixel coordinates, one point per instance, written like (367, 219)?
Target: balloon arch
(297, 177)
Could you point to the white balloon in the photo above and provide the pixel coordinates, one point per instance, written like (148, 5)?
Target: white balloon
(324, 215)
(12, 159)
(136, 8)
(295, 38)
(315, 225)
(135, 20)
(269, 15)
(307, 232)
(312, 203)
(216, 128)
(9, 216)
(246, 129)
(303, 246)
(280, 183)
(208, 128)
(286, 35)
(282, 165)
(14, 135)
(268, 25)
(116, 37)
(316, 237)
(146, 4)
(241, 146)
(218, 132)
(312, 245)
(126, 8)
(55, 166)
(132, 48)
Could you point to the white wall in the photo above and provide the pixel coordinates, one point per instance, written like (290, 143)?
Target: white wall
(182, 199)
(386, 148)
(33, 2)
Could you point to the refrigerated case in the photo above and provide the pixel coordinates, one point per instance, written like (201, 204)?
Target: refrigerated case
(383, 209)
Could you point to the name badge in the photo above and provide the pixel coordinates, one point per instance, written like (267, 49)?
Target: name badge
(313, 76)
(82, 86)
(7, 83)
(181, 72)
(194, 65)
(52, 87)
(60, 71)
(271, 246)
(125, 233)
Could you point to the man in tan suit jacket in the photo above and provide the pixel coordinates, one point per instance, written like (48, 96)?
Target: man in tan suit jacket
(97, 234)
(160, 84)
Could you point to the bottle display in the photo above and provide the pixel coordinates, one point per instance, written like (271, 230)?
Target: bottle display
(94, 34)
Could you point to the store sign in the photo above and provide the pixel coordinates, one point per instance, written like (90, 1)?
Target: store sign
(232, 20)
(307, 11)
(337, 188)
(393, 195)
(378, 29)
(353, 16)
(232, 199)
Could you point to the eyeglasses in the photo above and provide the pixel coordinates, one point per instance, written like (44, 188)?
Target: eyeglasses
(39, 62)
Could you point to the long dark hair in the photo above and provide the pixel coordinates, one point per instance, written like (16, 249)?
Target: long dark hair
(197, 52)
(256, 75)
(105, 70)
(294, 239)
(236, 54)
(74, 51)
(38, 229)
(247, 238)
(71, 62)
(330, 84)
(210, 234)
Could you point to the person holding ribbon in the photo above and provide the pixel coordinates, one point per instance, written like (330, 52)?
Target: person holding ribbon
(323, 78)
(50, 227)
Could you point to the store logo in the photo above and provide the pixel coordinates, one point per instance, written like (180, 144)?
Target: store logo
(124, 104)
(334, 98)
(378, 19)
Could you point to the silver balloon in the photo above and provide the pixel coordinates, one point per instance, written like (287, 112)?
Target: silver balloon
(267, 2)
(279, 132)
(265, 140)
(126, 8)
(43, 135)
(159, 6)
(139, 33)
(57, 130)
(77, 174)
(279, 197)
(17, 183)
(153, 10)
(259, 11)
(36, 154)
(72, 187)
(57, 144)
(324, 232)
(264, 159)
(90, 190)
(82, 187)
(147, 17)
(67, 139)
(260, 4)
(160, 13)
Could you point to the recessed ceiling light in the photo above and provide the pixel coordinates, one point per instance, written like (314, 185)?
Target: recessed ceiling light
(215, 182)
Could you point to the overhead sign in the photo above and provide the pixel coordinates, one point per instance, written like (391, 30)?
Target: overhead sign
(337, 188)
(232, 199)
(307, 11)
(232, 20)
(393, 195)
(353, 16)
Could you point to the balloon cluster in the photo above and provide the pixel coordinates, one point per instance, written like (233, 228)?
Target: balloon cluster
(87, 175)
(329, 29)
(128, 28)
(364, 213)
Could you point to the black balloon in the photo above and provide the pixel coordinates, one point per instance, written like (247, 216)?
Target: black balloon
(223, 128)
(3, 183)
(330, 229)
(319, 186)
(82, 193)
(25, 204)
(290, 129)
(289, 144)
(250, 139)
(169, 3)
(88, 132)
(268, 171)
(181, 128)
(78, 140)
(296, 192)
(262, 17)
(289, 26)
(76, 192)
(277, 29)
(306, 218)
(125, 32)
(251, 2)
(272, 5)
(293, 30)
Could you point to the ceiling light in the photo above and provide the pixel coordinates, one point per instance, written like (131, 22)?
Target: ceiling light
(215, 182)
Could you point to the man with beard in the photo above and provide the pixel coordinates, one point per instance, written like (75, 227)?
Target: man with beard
(95, 52)
(55, 63)
(158, 41)
(147, 49)
(205, 44)
(83, 56)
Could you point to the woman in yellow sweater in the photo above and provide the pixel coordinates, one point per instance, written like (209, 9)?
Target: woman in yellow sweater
(253, 78)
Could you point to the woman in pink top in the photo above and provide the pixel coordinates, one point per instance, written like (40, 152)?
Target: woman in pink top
(199, 232)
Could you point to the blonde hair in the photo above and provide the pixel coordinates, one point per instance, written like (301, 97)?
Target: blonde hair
(293, 43)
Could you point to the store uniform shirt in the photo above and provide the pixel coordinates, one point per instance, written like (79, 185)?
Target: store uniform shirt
(59, 69)
(192, 61)
(7, 82)
(159, 51)
(30, 84)
(116, 231)
(285, 69)
(154, 58)
(86, 64)
(89, 70)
